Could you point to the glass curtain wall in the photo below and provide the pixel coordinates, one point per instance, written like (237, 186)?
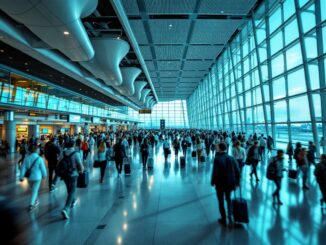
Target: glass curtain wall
(173, 112)
(271, 77)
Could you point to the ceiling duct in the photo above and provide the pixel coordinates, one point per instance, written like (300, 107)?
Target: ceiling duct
(120, 12)
(139, 85)
(58, 23)
(144, 94)
(129, 75)
(21, 40)
(108, 54)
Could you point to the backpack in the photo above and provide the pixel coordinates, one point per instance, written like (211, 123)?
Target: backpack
(65, 167)
(271, 170)
(85, 146)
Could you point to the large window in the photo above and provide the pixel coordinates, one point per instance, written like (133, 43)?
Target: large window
(270, 78)
(173, 112)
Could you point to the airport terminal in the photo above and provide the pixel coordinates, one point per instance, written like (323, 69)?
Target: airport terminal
(163, 122)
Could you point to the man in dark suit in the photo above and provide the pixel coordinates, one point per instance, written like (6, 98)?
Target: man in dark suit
(225, 178)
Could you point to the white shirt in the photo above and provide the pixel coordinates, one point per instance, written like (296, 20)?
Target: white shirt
(238, 154)
(38, 171)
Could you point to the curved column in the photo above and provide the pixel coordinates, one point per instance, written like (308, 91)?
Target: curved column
(108, 54)
(144, 93)
(58, 23)
(129, 75)
(9, 130)
(139, 86)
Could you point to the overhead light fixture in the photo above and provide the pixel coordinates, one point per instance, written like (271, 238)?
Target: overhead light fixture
(10, 58)
(26, 64)
(66, 33)
(222, 11)
(118, 37)
(170, 26)
(22, 81)
(27, 69)
(1, 51)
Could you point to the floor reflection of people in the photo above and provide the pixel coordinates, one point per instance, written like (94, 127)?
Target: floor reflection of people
(276, 232)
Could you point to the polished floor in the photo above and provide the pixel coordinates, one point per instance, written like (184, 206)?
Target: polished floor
(169, 205)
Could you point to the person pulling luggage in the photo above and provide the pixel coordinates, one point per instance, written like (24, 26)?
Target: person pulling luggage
(225, 179)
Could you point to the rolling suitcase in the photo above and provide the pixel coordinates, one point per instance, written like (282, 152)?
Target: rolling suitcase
(127, 166)
(83, 180)
(293, 174)
(150, 163)
(127, 169)
(193, 154)
(240, 209)
(182, 162)
(202, 159)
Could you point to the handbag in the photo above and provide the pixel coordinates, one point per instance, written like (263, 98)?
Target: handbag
(29, 170)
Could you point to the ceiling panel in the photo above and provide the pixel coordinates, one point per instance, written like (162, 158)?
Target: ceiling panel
(150, 65)
(131, 7)
(169, 65)
(193, 73)
(168, 80)
(166, 31)
(138, 29)
(153, 74)
(197, 65)
(146, 52)
(220, 31)
(203, 51)
(169, 73)
(190, 80)
(169, 52)
(170, 6)
(230, 7)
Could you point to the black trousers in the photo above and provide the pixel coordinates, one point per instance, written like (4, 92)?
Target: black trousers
(71, 185)
(254, 168)
(52, 180)
(144, 157)
(277, 182)
(118, 165)
(221, 196)
(102, 169)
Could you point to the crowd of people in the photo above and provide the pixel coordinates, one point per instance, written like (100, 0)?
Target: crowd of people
(68, 156)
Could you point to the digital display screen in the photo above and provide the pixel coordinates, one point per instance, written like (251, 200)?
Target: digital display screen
(45, 130)
(74, 118)
(96, 120)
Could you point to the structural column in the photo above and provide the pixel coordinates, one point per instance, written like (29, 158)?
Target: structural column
(75, 129)
(34, 130)
(9, 130)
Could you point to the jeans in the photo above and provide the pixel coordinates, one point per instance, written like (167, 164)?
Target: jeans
(102, 168)
(35, 186)
(220, 197)
(71, 185)
(277, 182)
(51, 179)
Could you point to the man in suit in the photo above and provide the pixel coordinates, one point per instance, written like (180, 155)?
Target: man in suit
(225, 178)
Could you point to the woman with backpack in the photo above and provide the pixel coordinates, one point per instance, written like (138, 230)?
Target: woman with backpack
(320, 173)
(100, 157)
(34, 170)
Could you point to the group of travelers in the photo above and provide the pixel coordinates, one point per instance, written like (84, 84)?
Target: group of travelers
(230, 152)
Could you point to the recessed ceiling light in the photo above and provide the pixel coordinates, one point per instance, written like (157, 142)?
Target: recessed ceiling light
(26, 64)
(27, 69)
(170, 26)
(66, 33)
(10, 58)
(222, 12)
(118, 37)
(1, 51)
